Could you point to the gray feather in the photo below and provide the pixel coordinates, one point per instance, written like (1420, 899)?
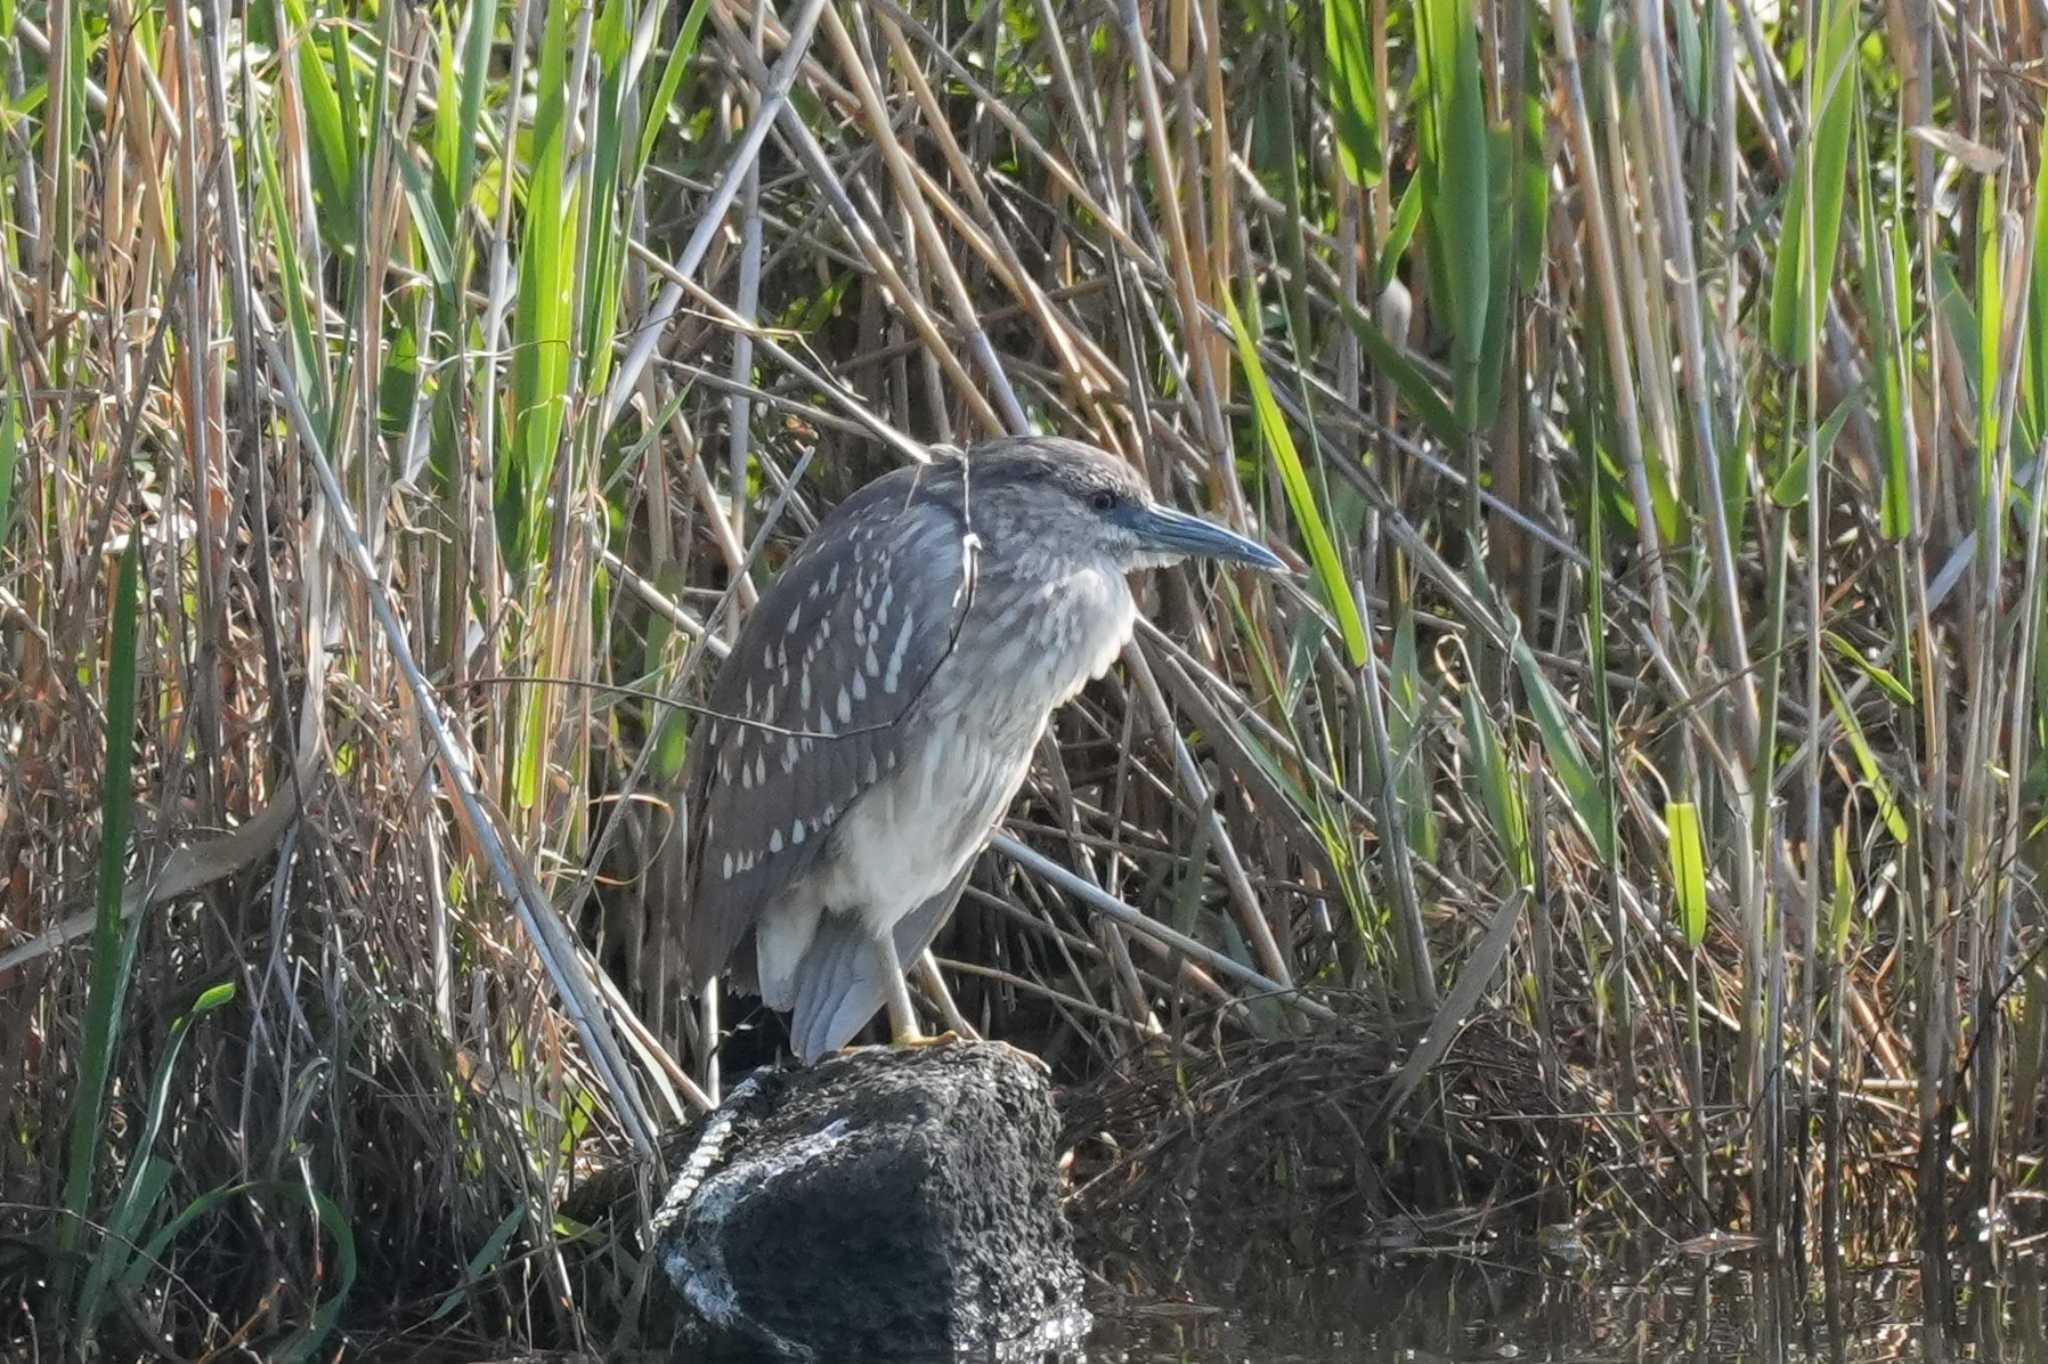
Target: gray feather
(839, 974)
(915, 930)
(842, 986)
(874, 719)
(747, 790)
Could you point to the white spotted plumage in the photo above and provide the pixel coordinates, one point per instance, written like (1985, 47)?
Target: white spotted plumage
(906, 726)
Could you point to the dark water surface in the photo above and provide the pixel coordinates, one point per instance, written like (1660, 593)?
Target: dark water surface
(1735, 1308)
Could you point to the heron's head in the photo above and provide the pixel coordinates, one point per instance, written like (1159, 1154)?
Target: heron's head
(1032, 496)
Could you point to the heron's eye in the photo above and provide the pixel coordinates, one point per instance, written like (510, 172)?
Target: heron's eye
(1104, 500)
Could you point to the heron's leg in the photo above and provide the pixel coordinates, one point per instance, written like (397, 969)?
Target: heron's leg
(957, 1025)
(903, 1031)
(935, 986)
(902, 1013)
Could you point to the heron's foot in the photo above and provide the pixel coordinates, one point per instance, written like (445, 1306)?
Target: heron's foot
(915, 1039)
(1029, 1058)
(949, 1036)
(918, 1039)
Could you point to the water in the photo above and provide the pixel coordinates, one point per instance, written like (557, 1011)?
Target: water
(1726, 1309)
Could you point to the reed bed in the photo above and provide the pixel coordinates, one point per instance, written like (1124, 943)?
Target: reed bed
(403, 404)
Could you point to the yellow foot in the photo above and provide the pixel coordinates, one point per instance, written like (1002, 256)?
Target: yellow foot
(1035, 1062)
(949, 1038)
(1032, 1059)
(918, 1039)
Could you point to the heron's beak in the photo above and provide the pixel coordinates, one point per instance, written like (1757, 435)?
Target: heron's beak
(1170, 532)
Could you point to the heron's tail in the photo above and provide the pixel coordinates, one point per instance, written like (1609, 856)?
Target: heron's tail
(839, 984)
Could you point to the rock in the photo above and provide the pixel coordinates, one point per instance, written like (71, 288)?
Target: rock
(886, 1203)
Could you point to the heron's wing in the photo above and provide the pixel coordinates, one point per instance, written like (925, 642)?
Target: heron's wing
(809, 709)
(841, 983)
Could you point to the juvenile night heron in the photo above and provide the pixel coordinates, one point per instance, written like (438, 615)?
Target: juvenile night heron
(880, 709)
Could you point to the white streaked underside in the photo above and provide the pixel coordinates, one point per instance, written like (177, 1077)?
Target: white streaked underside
(963, 756)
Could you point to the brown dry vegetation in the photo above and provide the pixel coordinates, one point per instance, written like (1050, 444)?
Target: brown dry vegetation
(403, 402)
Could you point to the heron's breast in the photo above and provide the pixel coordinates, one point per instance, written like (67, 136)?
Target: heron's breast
(965, 750)
(906, 838)
(1044, 643)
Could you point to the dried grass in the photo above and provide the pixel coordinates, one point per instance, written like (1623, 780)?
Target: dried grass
(452, 420)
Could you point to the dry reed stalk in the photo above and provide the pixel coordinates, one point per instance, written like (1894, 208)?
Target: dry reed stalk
(585, 336)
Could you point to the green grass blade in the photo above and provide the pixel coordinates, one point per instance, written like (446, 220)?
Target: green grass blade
(10, 460)
(1354, 97)
(1588, 794)
(1882, 304)
(1532, 184)
(447, 129)
(671, 81)
(2034, 370)
(1457, 170)
(482, 1262)
(1406, 732)
(433, 228)
(1789, 490)
(349, 100)
(1329, 570)
(1866, 760)
(603, 271)
(1407, 217)
(1500, 789)
(1883, 677)
(530, 758)
(330, 139)
(148, 1174)
(476, 66)
(1688, 870)
(138, 1267)
(1801, 281)
(541, 315)
(305, 349)
(1990, 337)
(111, 957)
(304, 1344)
(1842, 917)
(1501, 205)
